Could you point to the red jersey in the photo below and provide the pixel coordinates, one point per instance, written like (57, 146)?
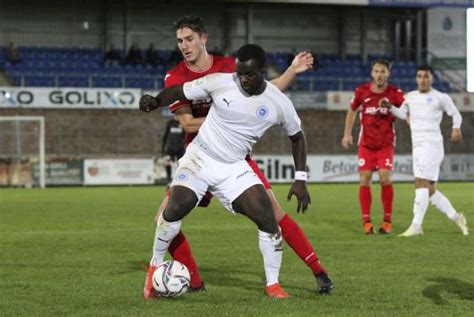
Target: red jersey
(377, 131)
(183, 73)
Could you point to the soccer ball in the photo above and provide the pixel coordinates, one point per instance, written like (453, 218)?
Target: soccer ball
(171, 279)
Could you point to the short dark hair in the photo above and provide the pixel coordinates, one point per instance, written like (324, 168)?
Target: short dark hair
(252, 51)
(425, 67)
(381, 62)
(192, 22)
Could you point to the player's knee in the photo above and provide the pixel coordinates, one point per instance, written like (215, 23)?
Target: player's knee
(385, 180)
(177, 210)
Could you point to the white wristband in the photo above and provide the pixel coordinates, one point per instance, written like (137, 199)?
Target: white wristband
(301, 176)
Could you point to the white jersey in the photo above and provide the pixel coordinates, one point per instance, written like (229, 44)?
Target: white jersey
(425, 112)
(236, 120)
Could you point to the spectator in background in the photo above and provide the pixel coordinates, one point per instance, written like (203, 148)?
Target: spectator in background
(12, 54)
(151, 56)
(112, 57)
(175, 57)
(134, 56)
(173, 145)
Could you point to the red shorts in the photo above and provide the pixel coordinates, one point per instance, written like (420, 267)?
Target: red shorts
(371, 160)
(206, 199)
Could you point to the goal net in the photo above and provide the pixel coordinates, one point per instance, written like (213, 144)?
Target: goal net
(22, 151)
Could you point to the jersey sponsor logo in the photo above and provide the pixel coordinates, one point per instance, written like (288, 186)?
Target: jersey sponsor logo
(262, 112)
(375, 110)
(182, 176)
(429, 99)
(227, 102)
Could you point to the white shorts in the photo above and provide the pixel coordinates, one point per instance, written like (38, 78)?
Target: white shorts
(427, 159)
(200, 173)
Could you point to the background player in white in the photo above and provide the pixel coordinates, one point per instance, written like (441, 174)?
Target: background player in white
(245, 106)
(423, 108)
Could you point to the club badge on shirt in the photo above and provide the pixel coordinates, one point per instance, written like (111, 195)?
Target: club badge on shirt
(262, 112)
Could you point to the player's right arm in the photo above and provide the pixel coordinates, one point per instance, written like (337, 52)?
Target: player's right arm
(193, 90)
(165, 98)
(347, 139)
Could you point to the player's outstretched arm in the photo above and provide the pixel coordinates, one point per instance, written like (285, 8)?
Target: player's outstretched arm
(299, 188)
(163, 99)
(301, 63)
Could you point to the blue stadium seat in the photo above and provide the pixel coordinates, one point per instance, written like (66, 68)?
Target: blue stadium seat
(40, 81)
(73, 81)
(100, 81)
(140, 82)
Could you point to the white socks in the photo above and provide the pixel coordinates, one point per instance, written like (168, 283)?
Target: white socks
(442, 203)
(271, 246)
(420, 205)
(164, 234)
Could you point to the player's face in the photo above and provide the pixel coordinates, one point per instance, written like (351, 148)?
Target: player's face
(191, 44)
(424, 80)
(250, 75)
(380, 74)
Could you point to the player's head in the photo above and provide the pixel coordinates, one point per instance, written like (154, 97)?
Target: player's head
(380, 71)
(191, 36)
(251, 65)
(424, 78)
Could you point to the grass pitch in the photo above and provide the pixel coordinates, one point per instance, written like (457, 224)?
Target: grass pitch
(79, 251)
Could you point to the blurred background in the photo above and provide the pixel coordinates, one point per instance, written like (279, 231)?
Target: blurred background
(80, 67)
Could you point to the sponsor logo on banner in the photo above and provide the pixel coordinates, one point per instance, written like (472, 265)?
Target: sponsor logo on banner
(24, 97)
(119, 172)
(344, 168)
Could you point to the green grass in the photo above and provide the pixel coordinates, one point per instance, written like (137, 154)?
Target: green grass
(78, 251)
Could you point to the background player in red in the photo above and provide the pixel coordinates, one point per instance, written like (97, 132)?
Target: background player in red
(192, 38)
(376, 140)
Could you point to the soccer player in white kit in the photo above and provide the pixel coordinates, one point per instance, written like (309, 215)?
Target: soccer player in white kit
(423, 109)
(244, 107)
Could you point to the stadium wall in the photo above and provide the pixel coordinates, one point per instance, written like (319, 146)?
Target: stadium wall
(88, 133)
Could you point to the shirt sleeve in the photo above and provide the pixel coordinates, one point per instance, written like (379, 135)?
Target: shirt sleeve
(201, 88)
(291, 122)
(355, 102)
(400, 111)
(399, 97)
(452, 111)
(173, 80)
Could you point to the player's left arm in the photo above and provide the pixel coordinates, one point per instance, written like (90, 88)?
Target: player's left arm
(299, 189)
(452, 111)
(301, 63)
(291, 123)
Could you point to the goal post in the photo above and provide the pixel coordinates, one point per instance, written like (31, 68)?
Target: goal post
(15, 137)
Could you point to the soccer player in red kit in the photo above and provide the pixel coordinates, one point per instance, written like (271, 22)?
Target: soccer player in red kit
(192, 38)
(376, 140)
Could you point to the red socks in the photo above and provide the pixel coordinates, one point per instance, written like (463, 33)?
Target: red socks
(365, 200)
(297, 240)
(180, 250)
(387, 202)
